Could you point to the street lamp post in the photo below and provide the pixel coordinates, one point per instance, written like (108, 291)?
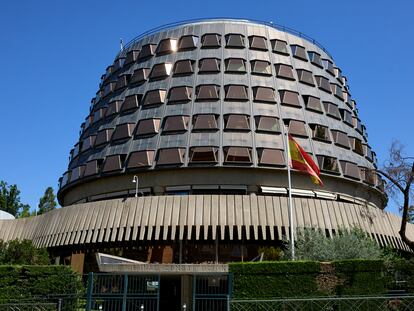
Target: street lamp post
(135, 180)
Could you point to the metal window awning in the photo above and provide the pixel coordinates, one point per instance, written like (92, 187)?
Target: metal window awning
(303, 193)
(274, 190)
(325, 195)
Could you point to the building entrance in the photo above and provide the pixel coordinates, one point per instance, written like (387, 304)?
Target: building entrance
(170, 292)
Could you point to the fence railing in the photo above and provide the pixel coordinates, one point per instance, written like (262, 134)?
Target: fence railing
(28, 307)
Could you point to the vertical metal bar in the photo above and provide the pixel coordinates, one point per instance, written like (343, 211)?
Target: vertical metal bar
(158, 292)
(89, 292)
(291, 224)
(194, 292)
(124, 296)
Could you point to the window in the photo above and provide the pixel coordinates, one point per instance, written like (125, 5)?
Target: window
(148, 127)
(123, 131)
(77, 149)
(328, 65)
(209, 65)
(171, 156)
(203, 155)
(237, 155)
(267, 124)
(160, 71)
(289, 98)
(264, 94)
(92, 168)
(103, 137)
(88, 142)
(147, 51)
(368, 175)
(235, 41)
(338, 75)
(122, 81)
(187, 43)
(235, 65)
(205, 122)
(183, 67)
(367, 152)
(337, 91)
(154, 97)
(299, 52)
(167, 46)
(108, 88)
(340, 139)
(180, 94)
(211, 40)
(131, 57)
(312, 103)
(315, 59)
(113, 108)
(305, 76)
(99, 114)
(113, 163)
(88, 121)
(332, 110)
(261, 67)
(175, 124)
(77, 173)
(284, 71)
(320, 132)
(140, 159)
(236, 122)
(350, 169)
(207, 92)
(258, 43)
(131, 102)
(346, 117)
(328, 164)
(296, 128)
(271, 157)
(323, 84)
(140, 76)
(235, 93)
(356, 145)
(357, 124)
(279, 46)
(118, 63)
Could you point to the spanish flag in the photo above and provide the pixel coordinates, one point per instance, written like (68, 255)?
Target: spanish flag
(300, 160)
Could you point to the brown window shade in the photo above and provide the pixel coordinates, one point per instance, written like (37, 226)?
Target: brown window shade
(297, 128)
(77, 173)
(160, 71)
(305, 76)
(236, 93)
(88, 121)
(328, 65)
(167, 46)
(132, 56)
(205, 122)
(131, 102)
(315, 59)
(140, 75)
(76, 150)
(284, 71)
(171, 156)
(207, 92)
(337, 91)
(367, 152)
(140, 159)
(183, 67)
(113, 108)
(258, 43)
(236, 122)
(175, 124)
(346, 117)
(235, 65)
(88, 142)
(109, 71)
(154, 97)
(267, 124)
(148, 127)
(320, 132)
(299, 52)
(357, 124)
(146, 52)
(356, 145)
(103, 137)
(340, 138)
(92, 168)
(312, 103)
(338, 74)
(328, 164)
(99, 114)
(211, 40)
(332, 110)
(64, 179)
(235, 41)
(113, 163)
(122, 81)
(209, 65)
(279, 46)
(123, 131)
(203, 155)
(237, 155)
(108, 88)
(272, 157)
(368, 175)
(180, 94)
(323, 83)
(289, 98)
(350, 169)
(118, 63)
(261, 67)
(187, 43)
(264, 94)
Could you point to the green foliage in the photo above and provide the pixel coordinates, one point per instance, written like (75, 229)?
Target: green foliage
(22, 252)
(47, 202)
(10, 200)
(271, 253)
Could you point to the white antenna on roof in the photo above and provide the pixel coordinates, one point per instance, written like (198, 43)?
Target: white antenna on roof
(121, 42)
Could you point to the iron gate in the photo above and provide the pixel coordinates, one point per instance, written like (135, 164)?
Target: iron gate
(211, 292)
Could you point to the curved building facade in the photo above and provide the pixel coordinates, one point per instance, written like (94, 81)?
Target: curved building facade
(196, 114)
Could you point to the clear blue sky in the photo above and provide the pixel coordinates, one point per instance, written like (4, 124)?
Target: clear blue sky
(52, 54)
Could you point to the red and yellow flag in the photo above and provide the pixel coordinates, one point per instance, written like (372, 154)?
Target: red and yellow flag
(300, 160)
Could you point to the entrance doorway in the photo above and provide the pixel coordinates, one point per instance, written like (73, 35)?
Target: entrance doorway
(170, 293)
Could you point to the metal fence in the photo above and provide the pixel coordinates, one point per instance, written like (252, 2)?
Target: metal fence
(211, 292)
(25, 306)
(395, 303)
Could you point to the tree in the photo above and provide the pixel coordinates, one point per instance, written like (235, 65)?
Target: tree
(10, 200)
(399, 171)
(22, 252)
(47, 202)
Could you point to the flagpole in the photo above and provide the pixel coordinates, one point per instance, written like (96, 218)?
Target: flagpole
(291, 224)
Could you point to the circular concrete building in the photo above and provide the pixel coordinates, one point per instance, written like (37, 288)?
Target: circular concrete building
(181, 157)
